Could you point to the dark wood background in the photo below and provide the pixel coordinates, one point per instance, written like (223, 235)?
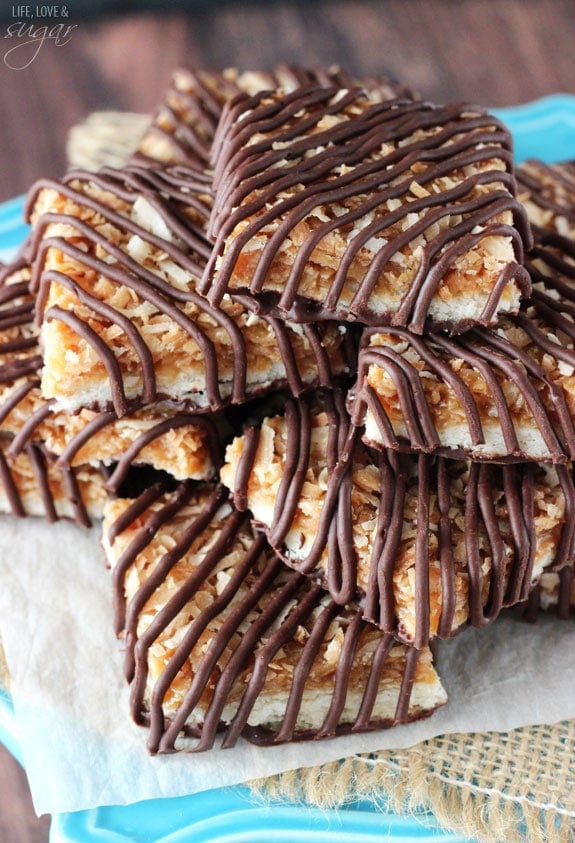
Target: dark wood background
(493, 52)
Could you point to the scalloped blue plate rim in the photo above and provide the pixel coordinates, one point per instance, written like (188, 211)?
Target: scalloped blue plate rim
(544, 129)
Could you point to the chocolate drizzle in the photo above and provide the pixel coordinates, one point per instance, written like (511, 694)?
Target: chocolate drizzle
(293, 169)
(262, 602)
(496, 501)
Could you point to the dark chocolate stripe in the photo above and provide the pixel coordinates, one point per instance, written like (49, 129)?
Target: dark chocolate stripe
(446, 557)
(39, 467)
(18, 394)
(22, 438)
(10, 488)
(94, 426)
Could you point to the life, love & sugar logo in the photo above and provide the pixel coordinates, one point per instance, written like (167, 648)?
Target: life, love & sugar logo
(33, 27)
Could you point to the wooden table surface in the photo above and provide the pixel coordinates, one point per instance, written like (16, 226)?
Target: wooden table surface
(494, 53)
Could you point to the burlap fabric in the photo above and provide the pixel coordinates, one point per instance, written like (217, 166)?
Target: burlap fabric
(515, 786)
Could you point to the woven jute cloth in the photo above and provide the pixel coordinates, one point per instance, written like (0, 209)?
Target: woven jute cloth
(504, 787)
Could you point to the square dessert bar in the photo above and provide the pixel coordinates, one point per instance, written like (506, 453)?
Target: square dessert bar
(117, 256)
(425, 544)
(397, 212)
(30, 481)
(504, 394)
(183, 128)
(500, 393)
(185, 445)
(222, 637)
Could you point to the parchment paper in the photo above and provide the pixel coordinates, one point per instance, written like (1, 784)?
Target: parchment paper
(80, 748)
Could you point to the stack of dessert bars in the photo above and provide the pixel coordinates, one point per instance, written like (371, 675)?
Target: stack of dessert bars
(308, 359)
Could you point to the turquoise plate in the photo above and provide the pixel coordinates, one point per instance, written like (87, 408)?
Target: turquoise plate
(544, 129)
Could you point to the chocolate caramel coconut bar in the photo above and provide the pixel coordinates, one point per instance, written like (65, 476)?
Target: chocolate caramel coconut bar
(224, 641)
(117, 256)
(425, 544)
(31, 483)
(185, 445)
(331, 205)
(183, 127)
